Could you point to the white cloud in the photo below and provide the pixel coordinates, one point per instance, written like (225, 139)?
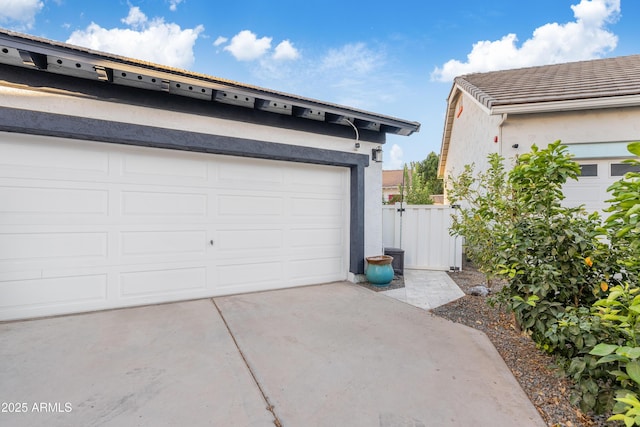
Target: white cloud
(173, 5)
(395, 158)
(285, 51)
(352, 74)
(135, 18)
(220, 40)
(584, 38)
(355, 58)
(21, 13)
(152, 40)
(245, 46)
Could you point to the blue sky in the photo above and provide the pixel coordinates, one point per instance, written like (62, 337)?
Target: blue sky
(395, 58)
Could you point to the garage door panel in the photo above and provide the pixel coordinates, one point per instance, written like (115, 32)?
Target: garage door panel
(55, 291)
(312, 252)
(583, 193)
(159, 168)
(28, 202)
(591, 190)
(148, 283)
(42, 157)
(250, 205)
(317, 207)
(249, 239)
(315, 237)
(163, 203)
(249, 174)
(47, 246)
(36, 200)
(314, 270)
(314, 180)
(256, 275)
(154, 242)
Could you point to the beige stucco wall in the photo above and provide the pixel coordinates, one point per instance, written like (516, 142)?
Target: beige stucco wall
(474, 131)
(472, 137)
(577, 127)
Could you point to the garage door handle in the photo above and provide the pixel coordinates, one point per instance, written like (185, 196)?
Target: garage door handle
(211, 242)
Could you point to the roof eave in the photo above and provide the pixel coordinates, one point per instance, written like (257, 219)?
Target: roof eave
(35, 53)
(456, 91)
(568, 105)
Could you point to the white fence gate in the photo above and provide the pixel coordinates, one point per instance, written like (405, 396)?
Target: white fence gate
(422, 231)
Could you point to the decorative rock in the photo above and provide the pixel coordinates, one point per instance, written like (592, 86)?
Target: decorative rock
(479, 291)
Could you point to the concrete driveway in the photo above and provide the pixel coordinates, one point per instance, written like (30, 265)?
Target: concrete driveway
(328, 355)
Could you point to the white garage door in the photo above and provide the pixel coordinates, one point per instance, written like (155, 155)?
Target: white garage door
(591, 188)
(87, 225)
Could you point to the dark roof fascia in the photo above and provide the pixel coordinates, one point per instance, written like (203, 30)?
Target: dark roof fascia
(36, 53)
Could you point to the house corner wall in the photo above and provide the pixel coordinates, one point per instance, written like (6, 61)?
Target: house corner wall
(373, 210)
(474, 135)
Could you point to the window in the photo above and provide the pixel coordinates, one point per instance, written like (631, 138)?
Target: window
(619, 169)
(589, 170)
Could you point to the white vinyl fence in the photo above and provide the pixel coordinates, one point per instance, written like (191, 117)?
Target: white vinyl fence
(422, 231)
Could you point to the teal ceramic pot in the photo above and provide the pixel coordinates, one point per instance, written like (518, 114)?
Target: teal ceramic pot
(379, 270)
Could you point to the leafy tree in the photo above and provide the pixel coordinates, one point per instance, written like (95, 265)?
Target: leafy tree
(428, 171)
(421, 181)
(417, 191)
(484, 207)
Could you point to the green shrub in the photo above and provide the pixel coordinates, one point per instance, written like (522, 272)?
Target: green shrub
(619, 352)
(547, 250)
(572, 282)
(558, 261)
(483, 201)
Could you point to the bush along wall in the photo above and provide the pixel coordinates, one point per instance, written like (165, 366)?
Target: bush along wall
(572, 278)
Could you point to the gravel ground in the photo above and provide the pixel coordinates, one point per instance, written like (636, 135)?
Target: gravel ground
(531, 367)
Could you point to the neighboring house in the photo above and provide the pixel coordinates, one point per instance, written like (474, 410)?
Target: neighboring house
(392, 181)
(592, 106)
(125, 183)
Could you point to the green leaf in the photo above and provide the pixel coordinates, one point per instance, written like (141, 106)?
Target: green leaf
(633, 369)
(634, 148)
(620, 375)
(592, 386)
(628, 399)
(616, 417)
(614, 294)
(630, 352)
(612, 358)
(603, 349)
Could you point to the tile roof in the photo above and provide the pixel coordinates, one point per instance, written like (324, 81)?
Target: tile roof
(582, 85)
(600, 78)
(391, 178)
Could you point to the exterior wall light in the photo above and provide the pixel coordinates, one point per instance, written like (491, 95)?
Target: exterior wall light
(376, 154)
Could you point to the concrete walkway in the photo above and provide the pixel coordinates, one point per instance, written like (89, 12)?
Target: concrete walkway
(426, 289)
(328, 355)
